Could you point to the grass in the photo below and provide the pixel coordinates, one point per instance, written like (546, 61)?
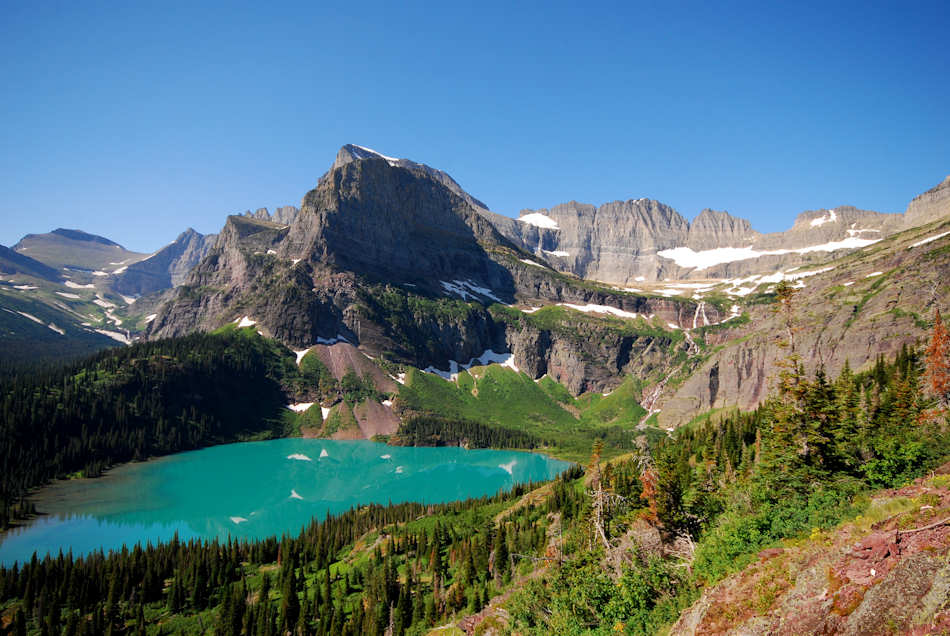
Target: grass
(498, 396)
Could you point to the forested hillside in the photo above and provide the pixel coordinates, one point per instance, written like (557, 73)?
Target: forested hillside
(623, 548)
(129, 404)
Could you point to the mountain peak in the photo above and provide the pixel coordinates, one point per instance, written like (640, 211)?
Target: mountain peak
(353, 152)
(79, 235)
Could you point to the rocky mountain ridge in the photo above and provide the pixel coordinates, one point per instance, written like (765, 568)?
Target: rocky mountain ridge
(626, 242)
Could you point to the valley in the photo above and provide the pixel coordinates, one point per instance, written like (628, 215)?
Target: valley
(732, 394)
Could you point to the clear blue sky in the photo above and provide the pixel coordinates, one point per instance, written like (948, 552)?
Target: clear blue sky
(136, 122)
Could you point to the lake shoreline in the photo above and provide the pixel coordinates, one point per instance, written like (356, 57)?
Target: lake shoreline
(289, 482)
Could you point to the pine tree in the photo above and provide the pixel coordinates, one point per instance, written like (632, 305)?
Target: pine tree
(938, 361)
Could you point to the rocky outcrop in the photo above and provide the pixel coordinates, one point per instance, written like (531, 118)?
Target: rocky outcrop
(889, 577)
(932, 205)
(586, 356)
(166, 268)
(623, 242)
(393, 223)
(283, 215)
(712, 229)
(868, 303)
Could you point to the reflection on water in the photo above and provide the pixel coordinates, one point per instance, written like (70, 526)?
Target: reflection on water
(257, 489)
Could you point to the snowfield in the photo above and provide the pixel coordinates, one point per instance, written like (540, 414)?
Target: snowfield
(686, 257)
(539, 220)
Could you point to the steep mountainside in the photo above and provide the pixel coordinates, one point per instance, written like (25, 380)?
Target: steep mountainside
(626, 242)
(385, 254)
(867, 303)
(929, 206)
(396, 259)
(166, 268)
(878, 575)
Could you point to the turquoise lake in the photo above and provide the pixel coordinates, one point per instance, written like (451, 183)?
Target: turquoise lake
(257, 489)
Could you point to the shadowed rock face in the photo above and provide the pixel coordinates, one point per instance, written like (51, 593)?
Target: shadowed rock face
(367, 221)
(381, 245)
(395, 224)
(374, 252)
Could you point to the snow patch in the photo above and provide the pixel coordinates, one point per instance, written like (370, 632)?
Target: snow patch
(271, 252)
(68, 295)
(100, 273)
(73, 285)
(115, 335)
(119, 270)
(25, 287)
(300, 354)
(487, 357)
(539, 220)
(129, 300)
(929, 239)
(873, 274)
(325, 411)
(686, 257)
(831, 218)
(401, 378)
(372, 153)
(849, 283)
(56, 329)
(300, 457)
(467, 289)
(601, 309)
(245, 322)
(530, 262)
(30, 316)
(300, 407)
(561, 253)
(294, 261)
(386, 456)
(388, 403)
(102, 302)
(530, 310)
(149, 318)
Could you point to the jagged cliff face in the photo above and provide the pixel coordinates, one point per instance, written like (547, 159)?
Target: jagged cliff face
(383, 251)
(932, 205)
(395, 224)
(627, 242)
(167, 267)
(862, 305)
(380, 255)
(283, 215)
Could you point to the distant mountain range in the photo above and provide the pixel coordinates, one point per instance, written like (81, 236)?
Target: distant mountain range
(396, 259)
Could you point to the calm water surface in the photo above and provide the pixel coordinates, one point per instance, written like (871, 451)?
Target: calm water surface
(257, 489)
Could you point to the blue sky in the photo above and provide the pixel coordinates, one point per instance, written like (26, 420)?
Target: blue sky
(136, 122)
